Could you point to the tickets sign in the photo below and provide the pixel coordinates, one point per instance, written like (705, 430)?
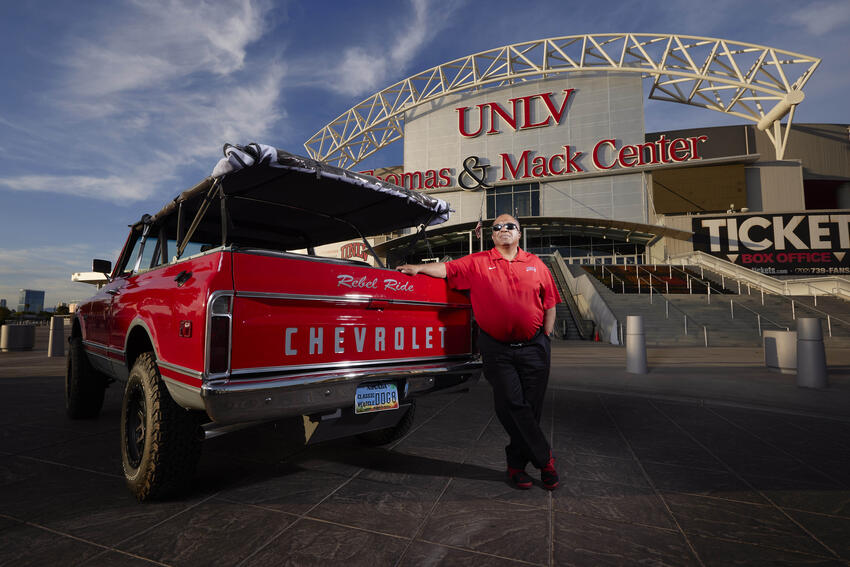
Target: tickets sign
(809, 243)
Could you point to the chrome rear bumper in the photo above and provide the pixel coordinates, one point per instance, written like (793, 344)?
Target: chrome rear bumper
(267, 397)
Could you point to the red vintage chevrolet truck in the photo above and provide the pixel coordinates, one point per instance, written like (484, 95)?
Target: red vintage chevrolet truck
(218, 312)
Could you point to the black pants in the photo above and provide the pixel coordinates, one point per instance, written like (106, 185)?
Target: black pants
(519, 376)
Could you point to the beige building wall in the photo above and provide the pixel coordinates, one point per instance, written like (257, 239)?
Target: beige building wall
(602, 106)
(775, 186)
(667, 247)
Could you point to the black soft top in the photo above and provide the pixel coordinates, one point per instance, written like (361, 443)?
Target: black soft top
(270, 197)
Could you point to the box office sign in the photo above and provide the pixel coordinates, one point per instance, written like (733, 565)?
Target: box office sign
(791, 243)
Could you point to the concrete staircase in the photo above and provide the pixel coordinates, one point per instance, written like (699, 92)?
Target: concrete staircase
(567, 319)
(711, 317)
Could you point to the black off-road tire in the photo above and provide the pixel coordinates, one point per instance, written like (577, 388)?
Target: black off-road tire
(84, 386)
(385, 436)
(160, 441)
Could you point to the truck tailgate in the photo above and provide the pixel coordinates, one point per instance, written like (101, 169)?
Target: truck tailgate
(301, 314)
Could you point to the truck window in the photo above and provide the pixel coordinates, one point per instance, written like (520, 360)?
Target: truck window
(128, 260)
(151, 253)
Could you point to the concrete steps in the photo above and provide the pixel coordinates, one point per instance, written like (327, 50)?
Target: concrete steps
(665, 326)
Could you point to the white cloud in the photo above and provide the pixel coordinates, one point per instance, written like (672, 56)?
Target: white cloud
(364, 69)
(823, 17)
(153, 92)
(162, 40)
(111, 188)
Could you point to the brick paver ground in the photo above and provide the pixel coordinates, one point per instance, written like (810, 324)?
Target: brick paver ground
(652, 473)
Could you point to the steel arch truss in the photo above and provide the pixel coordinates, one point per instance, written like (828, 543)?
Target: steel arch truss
(754, 82)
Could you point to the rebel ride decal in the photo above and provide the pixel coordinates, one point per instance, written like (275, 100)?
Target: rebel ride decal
(810, 243)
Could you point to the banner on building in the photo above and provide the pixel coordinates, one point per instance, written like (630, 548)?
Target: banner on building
(804, 243)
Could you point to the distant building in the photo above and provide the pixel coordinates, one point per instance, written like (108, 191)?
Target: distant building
(2, 303)
(31, 300)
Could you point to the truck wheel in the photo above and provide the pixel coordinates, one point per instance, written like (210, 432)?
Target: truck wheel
(84, 386)
(384, 436)
(160, 441)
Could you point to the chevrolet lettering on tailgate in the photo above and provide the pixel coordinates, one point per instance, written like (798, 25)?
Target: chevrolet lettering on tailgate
(214, 315)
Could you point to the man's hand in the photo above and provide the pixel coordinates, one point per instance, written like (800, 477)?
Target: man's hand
(434, 269)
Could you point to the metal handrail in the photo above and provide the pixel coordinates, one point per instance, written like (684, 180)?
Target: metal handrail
(668, 304)
(756, 279)
(756, 313)
(829, 317)
(613, 276)
(651, 275)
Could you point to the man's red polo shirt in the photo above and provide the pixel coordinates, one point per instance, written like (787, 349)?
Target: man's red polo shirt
(508, 297)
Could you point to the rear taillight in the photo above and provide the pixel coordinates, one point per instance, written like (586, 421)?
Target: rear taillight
(219, 338)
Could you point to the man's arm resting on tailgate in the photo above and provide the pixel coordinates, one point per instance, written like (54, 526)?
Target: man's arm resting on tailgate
(433, 269)
(549, 321)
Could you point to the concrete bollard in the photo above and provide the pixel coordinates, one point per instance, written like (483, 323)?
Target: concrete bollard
(780, 351)
(635, 345)
(56, 344)
(811, 356)
(17, 337)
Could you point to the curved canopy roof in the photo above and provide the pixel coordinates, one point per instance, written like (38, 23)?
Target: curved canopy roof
(618, 231)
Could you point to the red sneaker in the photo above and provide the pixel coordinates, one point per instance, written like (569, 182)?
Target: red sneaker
(549, 475)
(519, 478)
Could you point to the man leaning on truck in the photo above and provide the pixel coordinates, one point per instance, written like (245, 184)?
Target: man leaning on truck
(513, 297)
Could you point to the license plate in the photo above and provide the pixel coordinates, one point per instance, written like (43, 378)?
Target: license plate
(376, 397)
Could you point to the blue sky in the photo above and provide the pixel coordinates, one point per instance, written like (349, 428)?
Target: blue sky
(109, 109)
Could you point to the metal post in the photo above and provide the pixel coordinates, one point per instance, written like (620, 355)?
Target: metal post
(816, 299)
(686, 324)
(667, 309)
(811, 356)
(758, 318)
(635, 345)
(56, 346)
(612, 280)
(749, 289)
(701, 272)
(739, 287)
(829, 324)
(762, 295)
(722, 281)
(708, 294)
(705, 335)
(732, 308)
(638, 279)
(623, 284)
(667, 287)
(670, 271)
(650, 292)
(793, 311)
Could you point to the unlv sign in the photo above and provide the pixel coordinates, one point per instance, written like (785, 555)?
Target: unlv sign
(600, 152)
(518, 117)
(796, 244)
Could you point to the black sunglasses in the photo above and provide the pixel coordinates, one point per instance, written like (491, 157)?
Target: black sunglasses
(507, 225)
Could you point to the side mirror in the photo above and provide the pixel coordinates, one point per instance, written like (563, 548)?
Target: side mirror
(101, 266)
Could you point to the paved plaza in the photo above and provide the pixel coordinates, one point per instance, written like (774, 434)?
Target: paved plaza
(709, 459)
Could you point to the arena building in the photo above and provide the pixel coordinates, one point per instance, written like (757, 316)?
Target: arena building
(552, 132)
